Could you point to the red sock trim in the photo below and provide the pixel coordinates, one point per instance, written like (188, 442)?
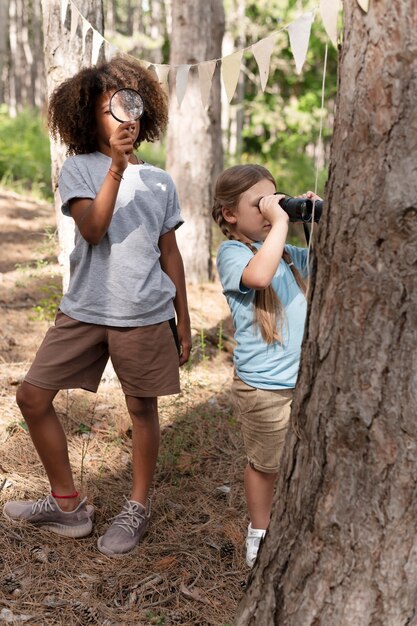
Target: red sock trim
(73, 495)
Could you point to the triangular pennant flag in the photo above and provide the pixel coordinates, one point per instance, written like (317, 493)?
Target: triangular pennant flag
(181, 81)
(74, 21)
(329, 10)
(97, 42)
(205, 76)
(86, 28)
(64, 6)
(162, 72)
(111, 50)
(364, 5)
(262, 52)
(299, 32)
(230, 72)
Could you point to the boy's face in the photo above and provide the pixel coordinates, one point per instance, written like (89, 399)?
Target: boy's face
(107, 124)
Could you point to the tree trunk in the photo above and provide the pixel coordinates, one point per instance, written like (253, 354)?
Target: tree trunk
(194, 156)
(342, 544)
(4, 48)
(64, 58)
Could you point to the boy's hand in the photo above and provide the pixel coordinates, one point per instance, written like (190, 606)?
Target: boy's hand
(121, 145)
(184, 337)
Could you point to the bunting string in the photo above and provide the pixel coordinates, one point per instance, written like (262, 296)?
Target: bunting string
(230, 65)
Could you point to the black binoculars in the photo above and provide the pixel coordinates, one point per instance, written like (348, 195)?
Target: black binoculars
(301, 209)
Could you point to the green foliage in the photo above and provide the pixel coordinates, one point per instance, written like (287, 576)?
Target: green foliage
(25, 159)
(153, 153)
(281, 126)
(47, 306)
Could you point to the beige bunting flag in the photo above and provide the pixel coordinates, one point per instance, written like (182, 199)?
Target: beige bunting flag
(205, 76)
(231, 71)
(329, 10)
(162, 72)
(181, 80)
(74, 21)
(299, 33)
(64, 7)
(262, 51)
(86, 28)
(364, 5)
(97, 43)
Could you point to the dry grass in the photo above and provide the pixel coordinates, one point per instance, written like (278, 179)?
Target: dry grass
(189, 569)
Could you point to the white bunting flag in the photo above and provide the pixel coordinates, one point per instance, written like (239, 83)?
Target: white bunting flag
(86, 28)
(205, 76)
(364, 5)
(162, 72)
(231, 71)
(299, 33)
(64, 6)
(74, 21)
(111, 51)
(97, 42)
(329, 10)
(262, 52)
(181, 81)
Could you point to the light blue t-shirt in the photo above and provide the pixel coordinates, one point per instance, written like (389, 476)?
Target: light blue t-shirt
(262, 365)
(120, 282)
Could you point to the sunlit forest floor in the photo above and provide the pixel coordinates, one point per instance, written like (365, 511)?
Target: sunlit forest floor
(189, 569)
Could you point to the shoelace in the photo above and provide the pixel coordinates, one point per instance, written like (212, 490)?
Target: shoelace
(130, 518)
(42, 505)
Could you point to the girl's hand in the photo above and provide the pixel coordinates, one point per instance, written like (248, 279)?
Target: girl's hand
(121, 145)
(311, 196)
(271, 209)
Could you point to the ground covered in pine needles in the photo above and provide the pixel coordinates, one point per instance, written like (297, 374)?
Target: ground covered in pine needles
(189, 569)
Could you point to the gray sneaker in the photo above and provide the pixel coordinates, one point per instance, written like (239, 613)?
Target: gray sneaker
(127, 529)
(47, 514)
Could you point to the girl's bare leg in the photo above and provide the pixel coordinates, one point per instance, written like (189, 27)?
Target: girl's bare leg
(259, 491)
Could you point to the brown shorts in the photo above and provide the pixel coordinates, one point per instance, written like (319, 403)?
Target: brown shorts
(263, 415)
(74, 354)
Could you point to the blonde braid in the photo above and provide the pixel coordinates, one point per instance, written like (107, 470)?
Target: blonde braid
(268, 309)
(218, 217)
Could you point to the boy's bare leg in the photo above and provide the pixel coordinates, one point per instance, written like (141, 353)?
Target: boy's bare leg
(259, 491)
(49, 439)
(145, 444)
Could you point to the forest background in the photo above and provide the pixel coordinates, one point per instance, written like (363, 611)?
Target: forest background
(191, 572)
(278, 128)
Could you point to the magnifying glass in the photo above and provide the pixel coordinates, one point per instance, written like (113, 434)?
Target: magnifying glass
(126, 105)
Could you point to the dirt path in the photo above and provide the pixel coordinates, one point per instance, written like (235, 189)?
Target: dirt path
(189, 570)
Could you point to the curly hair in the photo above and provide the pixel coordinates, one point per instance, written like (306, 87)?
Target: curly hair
(71, 111)
(269, 313)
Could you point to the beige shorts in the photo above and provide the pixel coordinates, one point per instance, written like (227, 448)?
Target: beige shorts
(74, 354)
(263, 415)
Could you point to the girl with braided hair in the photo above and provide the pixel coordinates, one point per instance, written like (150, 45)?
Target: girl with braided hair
(263, 280)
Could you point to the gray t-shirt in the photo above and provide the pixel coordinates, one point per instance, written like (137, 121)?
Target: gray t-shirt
(120, 282)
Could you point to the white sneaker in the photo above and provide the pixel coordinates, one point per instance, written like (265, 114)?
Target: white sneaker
(253, 541)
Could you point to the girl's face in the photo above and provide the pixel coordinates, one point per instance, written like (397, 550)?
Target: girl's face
(107, 124)
(246, 221)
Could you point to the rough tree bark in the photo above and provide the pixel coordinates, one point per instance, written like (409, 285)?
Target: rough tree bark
(342, 545)
(64, 58)
(194, 155)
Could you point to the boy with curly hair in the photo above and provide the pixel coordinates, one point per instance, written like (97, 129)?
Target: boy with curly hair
(126, 285)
